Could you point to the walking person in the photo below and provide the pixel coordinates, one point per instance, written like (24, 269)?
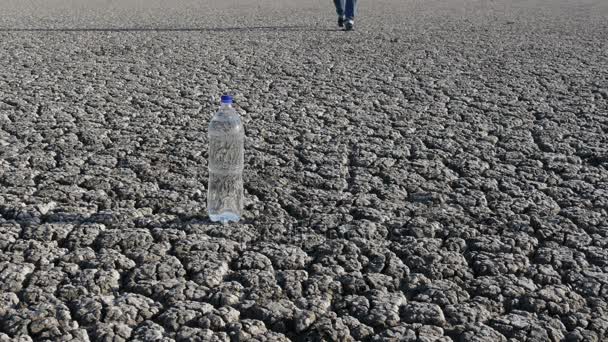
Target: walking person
(346, 9)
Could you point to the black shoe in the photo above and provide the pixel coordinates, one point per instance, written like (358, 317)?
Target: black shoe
(349, 25)
(341, 21)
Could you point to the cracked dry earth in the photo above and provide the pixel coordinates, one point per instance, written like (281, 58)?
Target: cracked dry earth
(440, 174)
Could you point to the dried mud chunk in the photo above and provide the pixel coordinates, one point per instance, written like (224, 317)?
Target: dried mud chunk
(84, 235)
(87, 310)
(375, 261)
(582, 335)
(150, 331)
(425, 313)
(129, 308)
(543, 275)
(321, 286)
(599, 324)
(588, 283)
(329, 328)
(464, 313)
(279, 316)
(498, 263)
(207, 272)
(358, 330)
(115, 332)
(421, 227)
(41, 253)
(227, 293)
(243, 233)
(362, 228)
(285, 257)
(98, 281)
(47, 320)
(10, 233)
(291, 281)
(48, 232)
(451, 265)
(258, 284)
(303, 319)
(174, 291)
(441, 292)
(246, 329)
(596, 255)
(556, 300)
(560, 258)
(252, 260)
(218, 319)
(384, 309)
(509, 286)
(431, 333)
(42, 283)
(13, 275)
(398, 333)
(110, 259)
(383, 282)
(479, 332)
(523, 325)
(169, 268)
(187, 334)
(18, 338)
(127, 241)
(15, 323)
(353, 305)
(8, 300)
(199, 244)
(183, 313)
(338, 252)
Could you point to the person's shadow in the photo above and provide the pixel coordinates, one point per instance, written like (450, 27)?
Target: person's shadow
(169, 29)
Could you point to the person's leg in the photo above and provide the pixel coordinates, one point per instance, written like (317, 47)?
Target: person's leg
(339, 7)
(340, 11)
(351, 9)
(351, 12)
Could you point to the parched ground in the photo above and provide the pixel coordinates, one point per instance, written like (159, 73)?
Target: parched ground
(440, 174)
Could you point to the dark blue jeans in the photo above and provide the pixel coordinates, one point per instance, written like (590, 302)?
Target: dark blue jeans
(347, 8)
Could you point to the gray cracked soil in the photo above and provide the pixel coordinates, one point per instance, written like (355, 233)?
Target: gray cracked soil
(440, 174)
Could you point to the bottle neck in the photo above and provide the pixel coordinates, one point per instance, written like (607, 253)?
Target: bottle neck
(225, 105)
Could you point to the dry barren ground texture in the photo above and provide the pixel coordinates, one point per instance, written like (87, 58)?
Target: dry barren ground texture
(440, 174)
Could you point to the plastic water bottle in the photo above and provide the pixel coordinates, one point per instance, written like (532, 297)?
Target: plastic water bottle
(226, 156)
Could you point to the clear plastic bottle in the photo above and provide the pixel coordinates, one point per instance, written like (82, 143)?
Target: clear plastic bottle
(226, 157)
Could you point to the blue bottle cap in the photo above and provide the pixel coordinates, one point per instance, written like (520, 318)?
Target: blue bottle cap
(226, 99)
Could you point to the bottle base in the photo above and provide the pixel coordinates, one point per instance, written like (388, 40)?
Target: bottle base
(225, 217)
